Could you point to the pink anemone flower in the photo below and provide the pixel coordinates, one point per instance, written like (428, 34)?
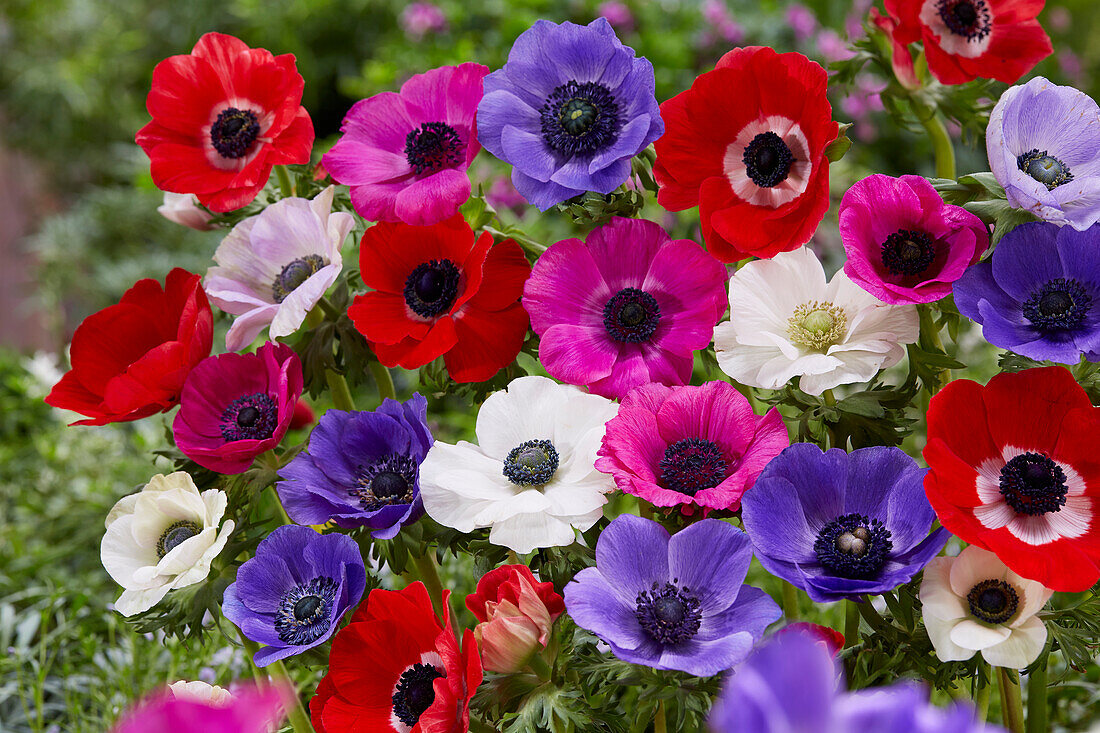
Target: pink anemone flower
(405, 154)
(249, 710)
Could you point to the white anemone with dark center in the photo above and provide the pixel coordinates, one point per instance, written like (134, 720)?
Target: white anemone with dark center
(963, 27)
(414, 691)
(768, 163)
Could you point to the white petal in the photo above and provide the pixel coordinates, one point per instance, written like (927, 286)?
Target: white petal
(972, 566)
(1034, 530)
(936, 596)
(525, 410)
(1033, 595)
(1021, 648)
(187, 553)
(215, 501)
(994, 515)
(526, 532)
(122, 507)
(939, 631)
(121, 555)
(136, 601)
(292, 311)
(971, 634)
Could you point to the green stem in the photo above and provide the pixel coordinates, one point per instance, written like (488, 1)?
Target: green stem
(279, 504)
(285, 186)
(937, 133)
(383, 379)
(296, 712)
(871, 616)
(251, 648)
(660, 723)
(790, 602)
(851, 623)
(645, 509)
(524, 241)
(539, 666)
(1012, 706)
(830, 398)
(1037, 696)
(981, 697)
(428, 570)
(341, 395)
(328, 308)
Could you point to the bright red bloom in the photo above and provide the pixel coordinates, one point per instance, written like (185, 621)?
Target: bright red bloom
(1014, 470)
(438, 292)
(516, 613)
(964, 39)
(223, 116)
(130, 360)
(747, 144)
(397, 667)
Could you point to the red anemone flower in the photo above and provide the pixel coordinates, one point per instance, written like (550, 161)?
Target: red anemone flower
(223, 116)
(397, 668)
(964, 39)
(747, 144)
(130, 360)
(438, 291)
(1014, 470)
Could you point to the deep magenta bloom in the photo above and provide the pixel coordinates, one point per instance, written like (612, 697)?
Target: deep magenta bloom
(236, 406)
(904, 244)
(405, 154)
(699, 446)
(252, 710)
(626, 307)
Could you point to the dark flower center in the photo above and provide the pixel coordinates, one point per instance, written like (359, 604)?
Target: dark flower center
(294, 274)
(176, 533)
(432, 288)
(693, 464)
(432, 147)
(580, 118)
(993, 601)
(303, 613)
(1058, 305)
(532, 463)
(233, 133)
(415, 692)
(252, 417)
(767, 160)
(631, 316)
(1044, 168)
(908, 252)
(669, 614)
(389, 480)
(853, 546)
(1033, 484)
(968, 18)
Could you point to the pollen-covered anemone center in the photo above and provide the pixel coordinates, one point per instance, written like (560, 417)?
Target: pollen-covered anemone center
(580, 118)
(853, 546)
(1044, 168)
(993, 601)
(668, 614)
(389, 480)
(175, 535)
(908, 252)
(767, 160)
(532, 463)
(252, 417)
(970, 19)
(433, 147)
(294, 274)
(303, 613)
(234, 131)
(1033, 484)
(631, 316)
(1058, 305)
(415, 692)
(817, 325)
(432, 287)
(693, 464)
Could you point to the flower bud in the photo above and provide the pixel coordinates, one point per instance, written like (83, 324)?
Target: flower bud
(515, 613)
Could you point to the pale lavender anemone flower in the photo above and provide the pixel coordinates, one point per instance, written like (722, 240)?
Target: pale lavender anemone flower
(758, 698)
(672, 602)
(569, 110)
(275, 266)
(1043, 142)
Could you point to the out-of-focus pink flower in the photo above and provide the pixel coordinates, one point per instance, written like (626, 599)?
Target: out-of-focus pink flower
(422, 19)
(801, 20)
(183, 208)
(1071, 66)
(718, 17)
(1059, 19)
(503, 195)
(832, 47)
(617, 14)
(515, 612)
(250, 710)
(853, 22)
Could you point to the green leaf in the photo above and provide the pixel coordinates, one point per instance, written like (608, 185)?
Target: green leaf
(835, 150)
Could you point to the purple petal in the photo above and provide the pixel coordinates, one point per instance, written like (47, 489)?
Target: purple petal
(593, 604)
(710, 558)
(632, 555)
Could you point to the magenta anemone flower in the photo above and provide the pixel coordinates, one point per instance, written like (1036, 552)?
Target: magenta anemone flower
(248, 710)
(904, 244)
(695, 446)
(626, 307)
(405, 154)
(236, 406)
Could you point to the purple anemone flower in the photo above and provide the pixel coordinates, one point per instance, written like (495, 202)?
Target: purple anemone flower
(758, 698)
(672, 602)
(569, 110)
(626, 307)
(841, 525)
(1038, 294)
(361, 469)
(1043, 142)
(293, 593)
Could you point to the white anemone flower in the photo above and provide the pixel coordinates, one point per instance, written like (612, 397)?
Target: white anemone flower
(787, 320)
(197, 691)
(183, 208)
(974, 603)
(162, 538)
(275, 266)
(532, 476)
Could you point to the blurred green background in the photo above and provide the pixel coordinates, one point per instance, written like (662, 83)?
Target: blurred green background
(78, 225)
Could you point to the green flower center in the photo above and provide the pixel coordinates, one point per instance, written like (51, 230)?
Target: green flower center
(817, 325)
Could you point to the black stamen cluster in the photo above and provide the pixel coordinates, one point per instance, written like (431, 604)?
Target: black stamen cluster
(1044, 168)
(580, 118)
(968, 18)
(1059, 305)
(993, 601)
(432, 288)
(631, 316)
(252, 417)
(303, 614)
(415, 692)
(853, 546)
(1033, 484)
(175, 534)
(532, 463)
(294, 274)
(234, 131)
(669, 614)
(908, 252)
(389, 480)
(767, 160)
(433, 147)
(693, 464)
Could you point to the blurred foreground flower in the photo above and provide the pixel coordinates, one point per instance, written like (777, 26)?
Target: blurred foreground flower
(249, 710)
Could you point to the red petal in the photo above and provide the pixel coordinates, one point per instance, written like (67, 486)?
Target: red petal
(412, 353)
(294, 145)
(487, 342)
(957, 416)
(505, 272)
(385, 319)
(1026, 409)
